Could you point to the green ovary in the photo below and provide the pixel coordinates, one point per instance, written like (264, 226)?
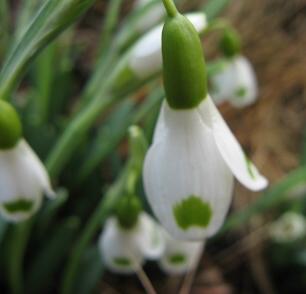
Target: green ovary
(20, 205)
(122, 261)
(192, 212)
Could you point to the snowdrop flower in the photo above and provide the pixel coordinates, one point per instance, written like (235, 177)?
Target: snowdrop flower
(290, 227)
(145, 58)
(190, 167)
(124, 250)
(180, 257)
(23, 178)
(155, 13)
(235, 83)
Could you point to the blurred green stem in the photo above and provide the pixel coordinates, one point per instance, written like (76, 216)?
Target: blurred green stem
(4, 28)
(214, 7)
(19, 238)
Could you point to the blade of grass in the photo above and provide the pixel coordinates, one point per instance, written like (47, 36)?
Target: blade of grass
(4, 28)
(53, 18)
(49, 259)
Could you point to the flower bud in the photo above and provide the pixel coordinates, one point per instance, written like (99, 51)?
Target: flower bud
(10, 126)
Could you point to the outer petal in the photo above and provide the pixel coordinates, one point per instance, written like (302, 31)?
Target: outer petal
(120, 249)
(153, 243)
(231, 151)
(180, 256)
(183, 169)
(146, 57)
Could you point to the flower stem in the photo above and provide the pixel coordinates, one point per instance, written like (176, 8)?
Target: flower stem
(20, 235)
(170, 8)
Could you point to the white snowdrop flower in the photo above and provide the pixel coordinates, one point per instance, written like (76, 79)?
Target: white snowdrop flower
(179, 256)
(23, 182)
(145, 58)
(188, 170)
(235, 83)
(124, 250)
(290, 227)
(151, 17)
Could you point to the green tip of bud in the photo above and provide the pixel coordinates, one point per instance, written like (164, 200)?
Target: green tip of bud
(230, 43)
(10, 126)
(184, 69)
(128, 210)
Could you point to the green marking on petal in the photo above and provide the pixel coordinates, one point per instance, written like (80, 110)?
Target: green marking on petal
(192, 212)
(177, 258)
(250, 167)
(241, 92)
(20, 205)
(122, 261)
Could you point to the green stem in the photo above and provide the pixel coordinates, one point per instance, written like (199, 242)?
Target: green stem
(93, 225)
(20, 236)
(170, 8)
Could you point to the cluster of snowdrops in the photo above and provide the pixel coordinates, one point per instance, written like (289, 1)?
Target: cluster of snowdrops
(188, 171)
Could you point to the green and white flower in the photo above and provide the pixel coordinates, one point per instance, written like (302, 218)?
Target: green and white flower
(180, 257)
(125, 250)
(23, 182)
(189, 169)
(144, 59)
(235, 83)
(289, 227)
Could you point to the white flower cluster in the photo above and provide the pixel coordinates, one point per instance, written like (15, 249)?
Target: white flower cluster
(124, 250)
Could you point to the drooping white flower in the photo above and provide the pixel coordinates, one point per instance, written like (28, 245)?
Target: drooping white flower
(124, 250)
(235, 83)
(151, 17)
(145, 57)
(23, 182)
(179, 256)
(188, 170)
(290, 227)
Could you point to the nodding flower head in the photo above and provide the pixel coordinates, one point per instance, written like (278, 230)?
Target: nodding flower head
(179, 256)
(124, 250)
(236, 83)
(23, 178)
(190, 167)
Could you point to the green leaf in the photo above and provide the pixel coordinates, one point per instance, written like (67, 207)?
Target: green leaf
(53, 18)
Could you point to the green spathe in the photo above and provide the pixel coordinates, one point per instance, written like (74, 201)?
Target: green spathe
(230, 43)
(183, 64)
(10, 126)
(192, 212)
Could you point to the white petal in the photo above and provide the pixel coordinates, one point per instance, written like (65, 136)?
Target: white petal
(120, 249)
(231, 151)
(246, 90)
(185, 162)
(153, 243)
(151, 17)
(180, 256)
(146, 57)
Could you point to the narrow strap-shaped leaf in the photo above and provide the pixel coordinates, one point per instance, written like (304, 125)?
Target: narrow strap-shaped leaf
(53, 17)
